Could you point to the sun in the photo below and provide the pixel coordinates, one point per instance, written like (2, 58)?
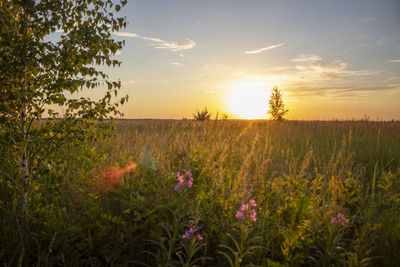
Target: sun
(248, 100)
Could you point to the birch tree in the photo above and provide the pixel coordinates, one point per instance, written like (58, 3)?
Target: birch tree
(49, 51)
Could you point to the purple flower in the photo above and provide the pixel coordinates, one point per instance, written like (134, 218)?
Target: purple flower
(188, 233)
(190, 182)
(239, 215)
(253, 203)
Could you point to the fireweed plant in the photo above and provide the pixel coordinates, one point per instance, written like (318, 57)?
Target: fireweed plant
(339, 219)
(184, 178)
(247, 211)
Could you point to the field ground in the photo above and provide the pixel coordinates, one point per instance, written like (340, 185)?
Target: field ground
(261, 193)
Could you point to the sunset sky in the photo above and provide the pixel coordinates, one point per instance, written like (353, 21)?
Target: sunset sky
(331, 59)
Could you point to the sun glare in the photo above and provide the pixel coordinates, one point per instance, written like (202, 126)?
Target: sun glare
(248, 100)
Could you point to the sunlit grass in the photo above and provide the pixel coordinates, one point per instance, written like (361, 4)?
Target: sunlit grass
(218, 193)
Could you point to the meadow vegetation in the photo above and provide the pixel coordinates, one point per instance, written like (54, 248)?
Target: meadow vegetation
(213, 193)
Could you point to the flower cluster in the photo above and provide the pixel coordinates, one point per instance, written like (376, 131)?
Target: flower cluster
(190, 232)
(339, 219)
(182, 181)
(247, 210)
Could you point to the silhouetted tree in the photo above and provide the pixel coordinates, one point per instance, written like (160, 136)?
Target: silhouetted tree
(277, 109)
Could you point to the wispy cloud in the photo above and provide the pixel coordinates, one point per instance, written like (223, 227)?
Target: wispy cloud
(128, 82)
(176, 64)
(126, 34)
(314, 67)
(175, 46)
(393, 78)
(313, 75)
(307, 58)
(336, 91)
(394, 60)
(264, 49)
(159, 43)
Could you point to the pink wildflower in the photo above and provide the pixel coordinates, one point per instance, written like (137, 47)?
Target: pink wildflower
(339, 219)
(200, 237)
(247, 212)
(253, 203)
(182, 181)
(342, 219)
(253, 215)
(190, 182)
(239, 215)
(244, 207)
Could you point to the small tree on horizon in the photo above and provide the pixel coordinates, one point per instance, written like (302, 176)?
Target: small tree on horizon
(203, 115)
(277, 109)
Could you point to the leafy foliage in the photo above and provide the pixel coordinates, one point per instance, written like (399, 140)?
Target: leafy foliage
(49, 51)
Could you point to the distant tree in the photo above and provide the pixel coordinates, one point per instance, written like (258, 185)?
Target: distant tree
(49, 50)
(203, 115)
(277, 109)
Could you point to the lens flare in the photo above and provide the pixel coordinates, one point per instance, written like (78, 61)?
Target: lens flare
(110, 176)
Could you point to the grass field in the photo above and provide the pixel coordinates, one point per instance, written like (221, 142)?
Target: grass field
(261, 194)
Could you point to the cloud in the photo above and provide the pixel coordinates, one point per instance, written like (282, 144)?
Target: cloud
(393, 78)
(128, 82)
(307, 58)
(394, 60)
(336, 91)
(264, 49)
(175, 46)
(159, 43)
(312, 75)
(177, 64)
(394, 85)
(314, 67)
(126, 34)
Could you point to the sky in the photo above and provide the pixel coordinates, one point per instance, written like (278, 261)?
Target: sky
(332, 59)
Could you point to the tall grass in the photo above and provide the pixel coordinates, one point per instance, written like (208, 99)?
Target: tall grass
(303, 176)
